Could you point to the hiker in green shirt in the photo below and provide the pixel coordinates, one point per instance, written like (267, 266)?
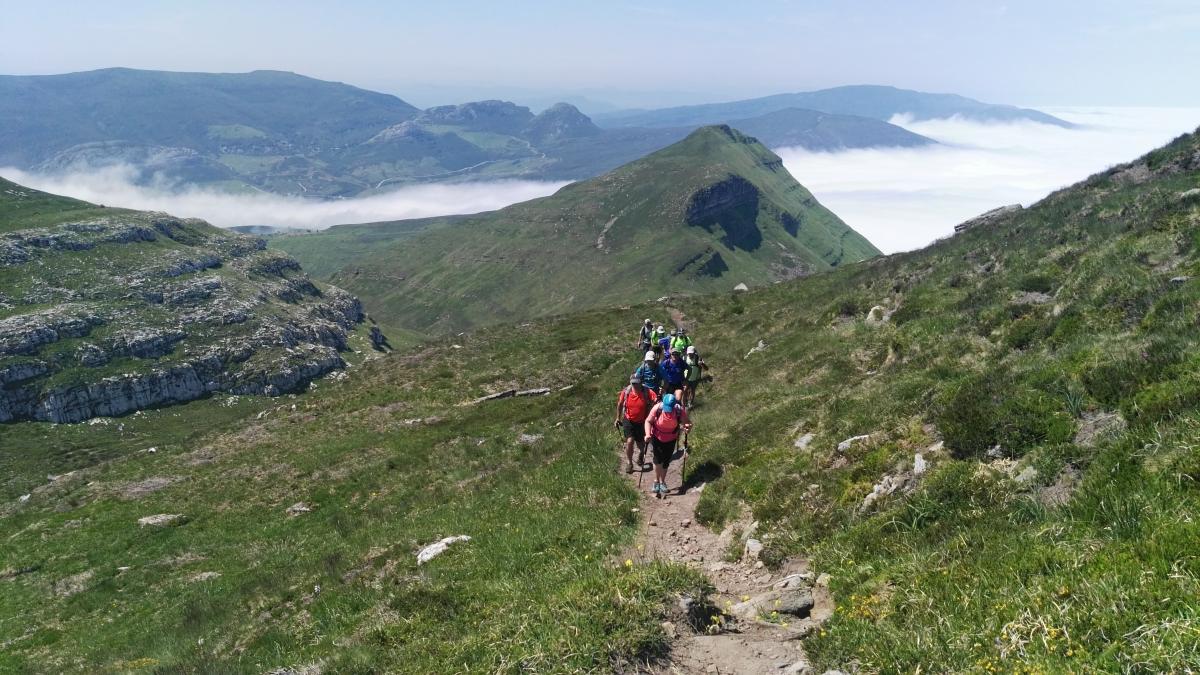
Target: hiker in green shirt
(693, 372)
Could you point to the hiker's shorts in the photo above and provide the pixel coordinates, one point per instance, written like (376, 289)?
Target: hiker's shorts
(663, 451)
(634, 430)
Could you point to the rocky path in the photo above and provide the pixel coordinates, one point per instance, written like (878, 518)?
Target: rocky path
(763, 613)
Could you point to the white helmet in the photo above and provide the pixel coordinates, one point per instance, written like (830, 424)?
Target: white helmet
(649, 356)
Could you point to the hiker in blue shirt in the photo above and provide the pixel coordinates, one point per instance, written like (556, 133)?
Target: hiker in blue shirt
(648, 371)
(672, 370)
(663, 346)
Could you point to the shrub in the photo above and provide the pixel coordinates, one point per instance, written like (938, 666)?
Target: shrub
(1163, 399)
(991, 409)
(1036, 283)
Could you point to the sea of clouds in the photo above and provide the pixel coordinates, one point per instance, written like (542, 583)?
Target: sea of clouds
(899, 198)
(904, 198)
(118, 185)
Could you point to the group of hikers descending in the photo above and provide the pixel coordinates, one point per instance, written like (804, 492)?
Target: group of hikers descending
(652, 410)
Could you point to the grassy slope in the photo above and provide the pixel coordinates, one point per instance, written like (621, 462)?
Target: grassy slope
(22, 208)
(541, 257)
(976, 571)
(540, 586)
(968, 573)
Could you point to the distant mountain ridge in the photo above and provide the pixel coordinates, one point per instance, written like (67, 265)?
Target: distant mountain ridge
(873, 101)
(289, 134)
(704, 214)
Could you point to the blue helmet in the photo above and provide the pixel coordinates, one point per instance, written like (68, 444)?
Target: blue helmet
(669, 403)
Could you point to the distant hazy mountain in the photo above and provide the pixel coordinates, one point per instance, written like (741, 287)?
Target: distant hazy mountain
(877, 102)
(259, 113)
(705, 214)
(290, 134)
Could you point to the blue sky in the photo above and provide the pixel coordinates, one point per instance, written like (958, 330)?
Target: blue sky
(1103, 52)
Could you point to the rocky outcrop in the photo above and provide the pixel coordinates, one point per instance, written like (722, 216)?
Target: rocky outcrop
(989, 218)
(559, 122)
(730, 204)
(205, 311)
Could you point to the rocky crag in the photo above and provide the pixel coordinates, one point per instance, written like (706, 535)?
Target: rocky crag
(104, 312)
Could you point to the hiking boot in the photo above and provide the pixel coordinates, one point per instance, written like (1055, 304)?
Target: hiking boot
(629, 469)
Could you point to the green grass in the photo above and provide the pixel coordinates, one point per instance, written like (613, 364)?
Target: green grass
(1085, 564)
(622, 237)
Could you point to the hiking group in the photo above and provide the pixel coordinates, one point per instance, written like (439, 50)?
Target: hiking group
(652, 410)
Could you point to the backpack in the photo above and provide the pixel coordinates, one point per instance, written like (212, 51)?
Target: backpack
(648, 401)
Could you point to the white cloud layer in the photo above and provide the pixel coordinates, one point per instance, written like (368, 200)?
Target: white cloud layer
(904, 198)
(114, 186)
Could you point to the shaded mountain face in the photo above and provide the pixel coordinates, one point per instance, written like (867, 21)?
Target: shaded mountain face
(707, 213)
(876, 102)
(289, 134)
(104, 312)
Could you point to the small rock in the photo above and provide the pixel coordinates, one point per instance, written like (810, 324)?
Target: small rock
(802, 442)
(919, 464)
(1180, 280)
(752, 549)
(541, 391)
(205, 576)
(159, 519)
(845, 445)
(800, 667)
(529, 439)
(24, 498)
(1027, 475)
(712, 668)
(994, 452)
(507, 393)
(686, 523)
(741, 287)
(757, 348)
(297, 509)
(669, 630)
(823, 580)
(152, 450)
(439, 547)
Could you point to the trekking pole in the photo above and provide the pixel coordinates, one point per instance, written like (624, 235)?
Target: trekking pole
(687, 451)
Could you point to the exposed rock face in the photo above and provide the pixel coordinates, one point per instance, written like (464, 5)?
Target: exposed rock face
(732, 205)
(496, 116)
(204, 311)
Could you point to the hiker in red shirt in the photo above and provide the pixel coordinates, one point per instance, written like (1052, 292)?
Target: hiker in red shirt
(663, 425)
(633, 404)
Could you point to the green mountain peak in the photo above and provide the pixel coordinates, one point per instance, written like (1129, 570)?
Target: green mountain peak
(712, 211)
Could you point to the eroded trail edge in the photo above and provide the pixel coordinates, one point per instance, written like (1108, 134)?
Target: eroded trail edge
(757, 617)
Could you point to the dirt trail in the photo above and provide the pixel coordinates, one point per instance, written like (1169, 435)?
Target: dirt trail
(743, 644)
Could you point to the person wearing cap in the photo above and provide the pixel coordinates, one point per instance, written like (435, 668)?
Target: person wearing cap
(671, 371)
(646, 336)
(693, 370)
(662, 344)
(681, 341)
(633, 404)
(662, 427)
(648, 372)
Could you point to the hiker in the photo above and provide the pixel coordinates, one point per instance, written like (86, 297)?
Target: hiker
(646, 336)
(681, 340)
(648, 372)
(633, 404)
(657, 341)
(693, 372)
(671, 372)
(663, 345)
(662, 432)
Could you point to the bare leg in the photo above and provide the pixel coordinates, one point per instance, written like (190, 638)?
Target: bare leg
(629, 451)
